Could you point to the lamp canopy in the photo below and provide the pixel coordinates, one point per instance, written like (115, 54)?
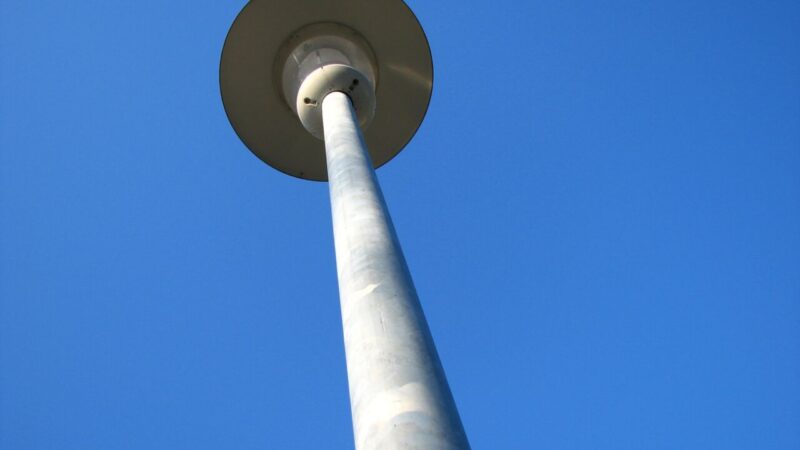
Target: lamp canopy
(265, 62)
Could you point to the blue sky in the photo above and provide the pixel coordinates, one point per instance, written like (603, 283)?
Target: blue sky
(601, 213)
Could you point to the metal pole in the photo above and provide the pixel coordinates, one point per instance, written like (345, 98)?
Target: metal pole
(399, 395)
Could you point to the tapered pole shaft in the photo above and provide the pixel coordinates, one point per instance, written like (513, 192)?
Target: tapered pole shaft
(399, 395)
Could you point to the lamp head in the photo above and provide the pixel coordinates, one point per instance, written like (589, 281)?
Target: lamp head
(281, 57)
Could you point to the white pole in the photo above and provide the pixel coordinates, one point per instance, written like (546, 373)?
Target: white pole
(399, 395)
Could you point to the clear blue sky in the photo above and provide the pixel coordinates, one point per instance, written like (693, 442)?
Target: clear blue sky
(601, 213)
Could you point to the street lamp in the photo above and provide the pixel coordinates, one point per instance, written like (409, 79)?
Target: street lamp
(352, 75)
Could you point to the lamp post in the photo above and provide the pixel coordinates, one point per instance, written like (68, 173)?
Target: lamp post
(309, 86)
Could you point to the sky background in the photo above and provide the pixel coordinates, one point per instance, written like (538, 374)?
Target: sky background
(601, 212)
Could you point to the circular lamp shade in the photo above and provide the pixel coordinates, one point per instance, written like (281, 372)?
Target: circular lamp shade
(254, 56)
